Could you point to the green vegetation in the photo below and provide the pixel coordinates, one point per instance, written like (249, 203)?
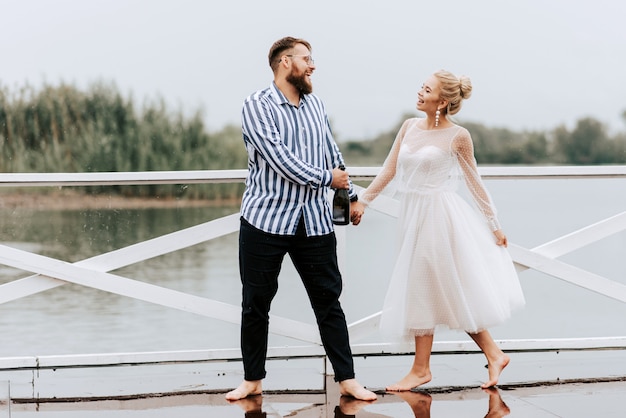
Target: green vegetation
(587, 144)
(64, 129)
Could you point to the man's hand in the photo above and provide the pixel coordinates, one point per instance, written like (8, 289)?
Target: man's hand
(341, 179)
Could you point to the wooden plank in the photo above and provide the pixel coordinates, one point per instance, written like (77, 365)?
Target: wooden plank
(568, 273)
(126, 256)
(147, 292)
(304, 351)
(122, 178)
(582, 237)
(236, 176)
(521, 172)
(364, 327)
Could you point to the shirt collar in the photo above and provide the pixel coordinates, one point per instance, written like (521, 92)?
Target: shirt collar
(280, 98)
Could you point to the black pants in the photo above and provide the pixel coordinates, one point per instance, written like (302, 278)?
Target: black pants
(315, 258)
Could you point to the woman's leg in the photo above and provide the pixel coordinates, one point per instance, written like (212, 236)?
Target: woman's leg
(420, 371)
(497, 360)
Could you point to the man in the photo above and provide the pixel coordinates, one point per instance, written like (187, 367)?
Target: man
(292, 161)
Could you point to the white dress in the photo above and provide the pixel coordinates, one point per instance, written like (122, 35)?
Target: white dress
(449, 271)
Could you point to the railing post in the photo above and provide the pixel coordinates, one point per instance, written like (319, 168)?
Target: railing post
(85, 272)
(5, 399)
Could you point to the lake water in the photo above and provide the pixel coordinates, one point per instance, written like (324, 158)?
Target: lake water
(73, 319)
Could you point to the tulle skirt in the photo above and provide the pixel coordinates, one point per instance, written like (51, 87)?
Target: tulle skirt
(449, 271)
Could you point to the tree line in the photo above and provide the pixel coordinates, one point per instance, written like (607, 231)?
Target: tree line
(65, 129)
(588, 143)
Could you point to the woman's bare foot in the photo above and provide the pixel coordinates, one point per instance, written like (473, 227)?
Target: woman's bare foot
(495, 369)
(350, 387)
(418, 401)
(497, 407)
(410, 381)
(246, 388)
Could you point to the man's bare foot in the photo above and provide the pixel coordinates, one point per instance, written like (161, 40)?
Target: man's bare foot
(252, 403)
(410, 381)
(246, 388)
(350, 387)
(350, 406)
(497, 407)
(495, 369)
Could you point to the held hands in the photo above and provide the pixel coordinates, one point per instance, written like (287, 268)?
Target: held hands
(356, 211)
(501, 238)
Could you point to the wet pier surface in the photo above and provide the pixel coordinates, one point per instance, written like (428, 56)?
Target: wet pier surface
(566, 400)
(567, 384)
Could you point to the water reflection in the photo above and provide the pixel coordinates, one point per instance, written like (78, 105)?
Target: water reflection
(78, 319)
(497, 407)
(252, 406)
(349, 407)
(419, 402)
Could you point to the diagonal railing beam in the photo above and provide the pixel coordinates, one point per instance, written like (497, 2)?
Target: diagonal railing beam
(540, 258)
(147, 292)
(364, 327)
(126, 256)
(568, 273)
(582, 237)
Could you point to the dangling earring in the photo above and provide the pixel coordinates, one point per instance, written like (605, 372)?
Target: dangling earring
(437, 113)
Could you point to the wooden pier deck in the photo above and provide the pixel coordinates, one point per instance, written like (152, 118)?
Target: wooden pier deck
(559, 384)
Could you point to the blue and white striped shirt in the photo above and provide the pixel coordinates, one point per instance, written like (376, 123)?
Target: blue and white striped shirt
(291, 152)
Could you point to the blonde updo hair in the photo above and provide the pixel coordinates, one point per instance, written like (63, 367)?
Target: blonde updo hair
(454, 89)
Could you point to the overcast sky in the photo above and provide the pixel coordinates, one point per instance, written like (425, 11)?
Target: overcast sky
(534, 64)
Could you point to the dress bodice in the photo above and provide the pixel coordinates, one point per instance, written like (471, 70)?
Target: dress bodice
(426, 162)
(423, 161)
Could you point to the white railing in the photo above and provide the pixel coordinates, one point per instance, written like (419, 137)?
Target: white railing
(94, 272)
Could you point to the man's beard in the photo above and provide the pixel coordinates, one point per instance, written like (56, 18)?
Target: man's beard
(300, 82)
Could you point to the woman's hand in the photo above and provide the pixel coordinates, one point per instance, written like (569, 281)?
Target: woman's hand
(356, 211)
(501, 238)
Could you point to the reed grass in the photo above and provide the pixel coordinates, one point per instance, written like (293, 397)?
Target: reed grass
(64, 129)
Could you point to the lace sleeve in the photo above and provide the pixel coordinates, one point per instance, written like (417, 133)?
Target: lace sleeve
(388, 171)
(464, 149)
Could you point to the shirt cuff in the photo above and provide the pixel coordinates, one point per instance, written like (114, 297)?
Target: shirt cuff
(494, 224)
(327, 178)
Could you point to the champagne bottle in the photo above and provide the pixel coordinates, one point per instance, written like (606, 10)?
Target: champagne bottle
(341, 205)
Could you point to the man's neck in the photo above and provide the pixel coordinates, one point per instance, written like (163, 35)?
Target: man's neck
(291, 93)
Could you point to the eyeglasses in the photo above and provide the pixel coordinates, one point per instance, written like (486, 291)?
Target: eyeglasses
(307, 58)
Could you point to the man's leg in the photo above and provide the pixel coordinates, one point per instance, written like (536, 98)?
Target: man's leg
(260, 259)
(315, 258)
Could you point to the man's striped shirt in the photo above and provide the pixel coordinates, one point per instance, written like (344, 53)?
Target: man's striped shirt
(291, 152)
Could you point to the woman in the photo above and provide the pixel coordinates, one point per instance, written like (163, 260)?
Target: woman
(452, 268)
